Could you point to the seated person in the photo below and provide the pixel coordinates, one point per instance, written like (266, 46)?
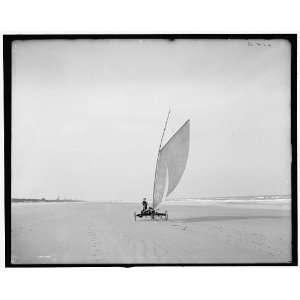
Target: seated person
(145, 205)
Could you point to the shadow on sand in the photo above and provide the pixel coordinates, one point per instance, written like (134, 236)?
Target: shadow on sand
(223, 218)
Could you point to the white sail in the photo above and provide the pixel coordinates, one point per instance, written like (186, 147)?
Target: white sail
(171, 162)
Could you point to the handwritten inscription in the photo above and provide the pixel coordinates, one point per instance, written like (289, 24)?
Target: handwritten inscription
(259, 44)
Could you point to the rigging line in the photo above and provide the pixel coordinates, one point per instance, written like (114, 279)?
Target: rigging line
(161, 140)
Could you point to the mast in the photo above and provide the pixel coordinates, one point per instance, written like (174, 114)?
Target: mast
(158, 155)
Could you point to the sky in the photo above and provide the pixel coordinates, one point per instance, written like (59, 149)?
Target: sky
(87, 117)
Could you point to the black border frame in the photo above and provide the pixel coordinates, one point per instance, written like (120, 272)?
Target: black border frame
(7, 64)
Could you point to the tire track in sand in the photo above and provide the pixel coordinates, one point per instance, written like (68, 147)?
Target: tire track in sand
(95, 250)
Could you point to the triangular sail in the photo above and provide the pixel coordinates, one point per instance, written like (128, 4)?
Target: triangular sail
(171, 162)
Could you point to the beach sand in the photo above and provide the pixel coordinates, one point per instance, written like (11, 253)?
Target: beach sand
(203, 232)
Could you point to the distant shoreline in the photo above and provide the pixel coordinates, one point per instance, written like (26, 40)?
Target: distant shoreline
(16, 200)
(225, 199)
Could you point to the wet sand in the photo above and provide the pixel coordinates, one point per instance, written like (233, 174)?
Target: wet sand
(207, 232)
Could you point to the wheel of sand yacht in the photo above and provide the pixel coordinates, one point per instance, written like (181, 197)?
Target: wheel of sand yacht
(153, 216)
(134, 216)
(166, 215)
